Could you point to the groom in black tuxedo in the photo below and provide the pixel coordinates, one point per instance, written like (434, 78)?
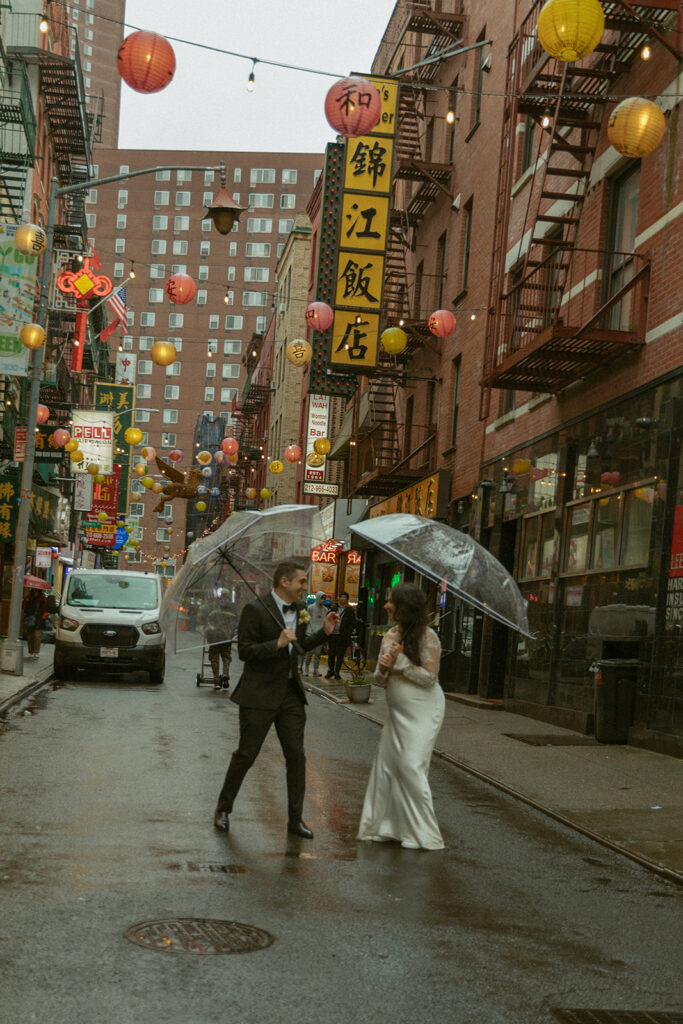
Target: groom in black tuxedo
(270, 636)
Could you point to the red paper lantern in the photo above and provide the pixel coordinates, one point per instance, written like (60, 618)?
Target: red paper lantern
(61, 437)
(441, 323)
(180, 289)
(146, 61)
(230, 446)
(353, 107)
(292, 453)
(319, 316)
(42, 414)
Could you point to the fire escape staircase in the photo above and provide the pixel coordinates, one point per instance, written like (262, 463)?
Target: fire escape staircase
(538, 339)
(377, 464)
(17, 136)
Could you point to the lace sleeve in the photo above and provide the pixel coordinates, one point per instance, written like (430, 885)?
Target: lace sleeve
(381, 677)
(426, 674)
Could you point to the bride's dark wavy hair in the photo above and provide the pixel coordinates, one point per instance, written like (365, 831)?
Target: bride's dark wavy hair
(411, 615)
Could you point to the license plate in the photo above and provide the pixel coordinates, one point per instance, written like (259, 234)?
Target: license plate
(109, 652)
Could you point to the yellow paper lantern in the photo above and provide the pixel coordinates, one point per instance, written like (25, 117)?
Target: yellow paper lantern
(148, 452)
(204, 458)
(265, 493)
(299, 352)
(147, 482)
(32, 336)
(163, 353)
(636, 127)
(276, 466)
(394, 340)
(99, 479)
(102, 516)
(93, 469)
(76, 456)
(140, 469)
(201, 506)
(250, 493)
(71, 446)
(313, 459)
(570, 29)
(133, 435)
(30, 240)
(322, 445)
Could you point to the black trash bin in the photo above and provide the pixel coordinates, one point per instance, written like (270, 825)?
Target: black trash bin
(615, 697)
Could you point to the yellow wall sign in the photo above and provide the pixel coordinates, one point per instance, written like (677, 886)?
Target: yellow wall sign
(427, 498)
(368, 164)
(354, 345)
(388, 90)
(359, 280)
(365, 221)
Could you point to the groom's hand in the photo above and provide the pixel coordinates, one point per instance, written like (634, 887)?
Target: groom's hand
(331, 620)
(286, 637)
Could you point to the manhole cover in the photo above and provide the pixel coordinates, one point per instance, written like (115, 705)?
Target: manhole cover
(552, 739)
(198, 935)
(615, 1017)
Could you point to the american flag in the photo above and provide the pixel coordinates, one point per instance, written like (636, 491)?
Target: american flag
(117, 302)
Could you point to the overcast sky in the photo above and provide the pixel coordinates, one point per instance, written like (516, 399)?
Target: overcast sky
(207, 105)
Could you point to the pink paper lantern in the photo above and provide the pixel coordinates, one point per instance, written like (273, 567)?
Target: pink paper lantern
(292, 453)
(353, 107)
(180, 289)
(230, 446)
(441, 323)
(319, 316)
(61, 436)
(176, 455)
(42, 414)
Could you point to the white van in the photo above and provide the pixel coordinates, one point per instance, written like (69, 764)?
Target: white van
(109, 621)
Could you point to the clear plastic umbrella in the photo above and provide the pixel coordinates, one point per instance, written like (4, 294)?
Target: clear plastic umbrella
(234, 565)
(443, 554)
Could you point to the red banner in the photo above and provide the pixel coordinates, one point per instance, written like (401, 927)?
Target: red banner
(105, 498)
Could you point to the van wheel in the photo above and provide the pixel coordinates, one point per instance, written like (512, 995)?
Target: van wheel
(156, 676)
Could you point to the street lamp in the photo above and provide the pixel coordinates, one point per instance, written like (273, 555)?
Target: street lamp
(12, 659)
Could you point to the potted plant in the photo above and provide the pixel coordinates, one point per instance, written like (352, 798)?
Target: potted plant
(358, 688)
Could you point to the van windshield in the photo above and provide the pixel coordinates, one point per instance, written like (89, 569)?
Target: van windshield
(112, 592)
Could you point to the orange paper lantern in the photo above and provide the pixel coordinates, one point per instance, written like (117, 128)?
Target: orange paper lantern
(146, 61)
(180, 289)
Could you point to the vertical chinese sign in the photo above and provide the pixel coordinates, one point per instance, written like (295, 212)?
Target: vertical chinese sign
(362, 240)
(17, 294)
(105, 498)
(119, 399)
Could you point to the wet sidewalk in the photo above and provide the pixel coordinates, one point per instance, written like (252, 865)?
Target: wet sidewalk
(625, 797)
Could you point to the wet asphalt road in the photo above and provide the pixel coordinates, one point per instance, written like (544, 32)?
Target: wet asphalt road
(108, 793)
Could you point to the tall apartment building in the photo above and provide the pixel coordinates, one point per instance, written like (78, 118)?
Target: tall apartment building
(154, 225)
(99, 32)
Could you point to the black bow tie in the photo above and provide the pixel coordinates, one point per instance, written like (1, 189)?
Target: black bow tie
(289, 607)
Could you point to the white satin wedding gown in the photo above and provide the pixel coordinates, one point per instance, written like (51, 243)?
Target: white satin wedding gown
(398, 800)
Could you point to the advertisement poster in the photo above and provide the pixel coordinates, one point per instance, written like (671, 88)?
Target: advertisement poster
(325, 566)
(318, 425)
(352, 568)
(18, 274)
(93, 430)
(105, 499)
(119, 399)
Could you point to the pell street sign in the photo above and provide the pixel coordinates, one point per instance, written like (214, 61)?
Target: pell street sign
(93, 430)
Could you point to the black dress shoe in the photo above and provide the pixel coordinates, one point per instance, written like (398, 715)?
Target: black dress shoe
(221, 821)
(329, 675)
(298, 828)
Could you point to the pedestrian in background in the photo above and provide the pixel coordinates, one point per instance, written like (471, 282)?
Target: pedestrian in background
(341, 637)
(221, 626)
(35, 613)
(317, 611)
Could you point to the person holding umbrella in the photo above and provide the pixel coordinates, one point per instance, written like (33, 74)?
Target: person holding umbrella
(270, 636)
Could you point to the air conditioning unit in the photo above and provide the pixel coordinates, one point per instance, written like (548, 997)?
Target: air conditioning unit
(281, 308)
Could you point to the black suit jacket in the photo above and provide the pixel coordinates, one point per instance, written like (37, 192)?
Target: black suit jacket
(347, 623)
(267, 668)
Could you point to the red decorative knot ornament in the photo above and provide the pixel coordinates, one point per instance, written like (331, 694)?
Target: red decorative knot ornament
(319, 316)
(180, 289)
(146, 61)
(353, 107)
(441, 323)
(292, 453)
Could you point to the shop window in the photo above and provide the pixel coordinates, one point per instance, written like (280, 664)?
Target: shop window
(606, 538)
(637, 526)
(578, 522)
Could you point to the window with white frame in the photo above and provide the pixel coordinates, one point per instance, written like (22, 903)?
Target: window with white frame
(160, 222)
(290, 176)
(316, 176)
(232, 347)
(163, 175)
(237, 174)
(179, 247)
(256, 273)
(259, 225)
(204, 248)
(285, 225)
(183, 198)
(171, 392)
(130, 317)
(161, 198)
(142, 415)
(146, 342)
(158, 246)
(261, 324)
(147, 319)
(156, 295)
(230, 297)
(174, 369)
(234, 323)
(127, 343)
(209, 177)
(162, 535)
(170, 416)
(143, 391)
(280, 249)
(177, 343)
(254, 298)
(207, 199)
(233, 249)
(176, 319)
(145, 367)
(262, 176)
(287, 201)
(262, 200)
(122, 199)
(168, 440)
(229, 370)
(209, 394)
(91, 220)
(257, 249)
(214, 320)
(201, 296)
(157, 270)
(227, 395)
(91, 195)
(137, 510)
(212, 344)
(206, 225)
(183, 176)
(231, 273)
(118, 271)
(119, 245)
(181, 223)
(179, 268)
(210, 370)
(121, 220)
(136, 486)
(203, 274)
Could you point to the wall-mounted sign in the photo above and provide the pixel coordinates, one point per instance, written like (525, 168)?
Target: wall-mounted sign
(328, 490)
(427, 497)
(17, 296)
(93, 430)
(45, 448)
(318, 425)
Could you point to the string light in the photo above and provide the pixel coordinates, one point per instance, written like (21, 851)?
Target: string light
(131, 272)
(43, 24)
(545, 122)
(645, 53)
(252, 77)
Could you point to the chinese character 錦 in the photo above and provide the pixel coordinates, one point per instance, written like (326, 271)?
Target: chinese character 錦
(369, 160)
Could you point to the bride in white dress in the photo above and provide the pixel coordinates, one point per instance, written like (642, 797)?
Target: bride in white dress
(398, 800)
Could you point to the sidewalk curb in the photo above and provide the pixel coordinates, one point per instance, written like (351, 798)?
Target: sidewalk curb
(658, 869)
(36, 684)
